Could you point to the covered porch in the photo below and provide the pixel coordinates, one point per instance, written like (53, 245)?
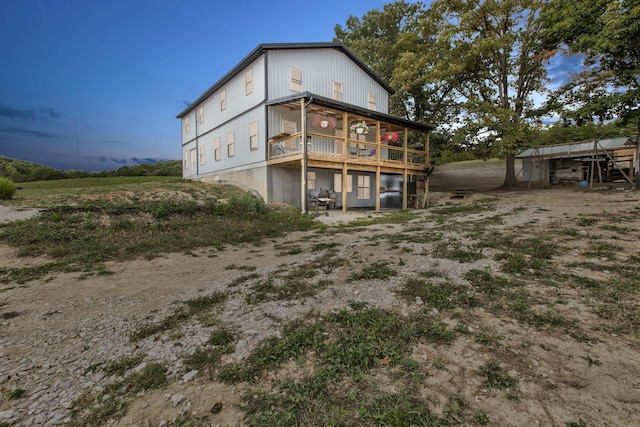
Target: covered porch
(346, 143)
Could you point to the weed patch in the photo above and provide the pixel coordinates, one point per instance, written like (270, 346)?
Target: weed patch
(93, 408)
(496, 376)
(188, 311)
(377, 270)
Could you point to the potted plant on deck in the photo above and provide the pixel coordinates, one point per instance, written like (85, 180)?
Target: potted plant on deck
(389, 137)
(360, 128)
(324, 121)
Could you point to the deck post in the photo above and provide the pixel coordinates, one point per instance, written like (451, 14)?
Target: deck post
(304, 199)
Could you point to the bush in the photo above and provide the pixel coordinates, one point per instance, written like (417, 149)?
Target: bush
(7, 189)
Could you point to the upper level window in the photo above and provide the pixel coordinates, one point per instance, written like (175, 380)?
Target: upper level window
(253, 135)
(187, 125)
(223, 100)
(372, 102)
(248, 82)
(201, 115)
(296, 80)
(289, 127)
(337, 91)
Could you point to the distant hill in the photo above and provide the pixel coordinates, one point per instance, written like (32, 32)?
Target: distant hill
(23, 171)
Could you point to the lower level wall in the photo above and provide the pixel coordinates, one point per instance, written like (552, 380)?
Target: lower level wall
(254, 179)
(285, 186)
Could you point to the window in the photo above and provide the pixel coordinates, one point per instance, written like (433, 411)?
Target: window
(253, 135)
(311, 180)
(187, 126)
(296, 80)
(216, 148)
(201, 115)
(193, 157)
(337, 182)
(223, 100)
(185, 157)
(230, 145)
(201, 154)
(337, 91)
(364, 190)
(289, 127)
(248, 82)
(372, 101)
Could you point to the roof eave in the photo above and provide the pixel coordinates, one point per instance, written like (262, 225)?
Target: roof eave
(350, 108)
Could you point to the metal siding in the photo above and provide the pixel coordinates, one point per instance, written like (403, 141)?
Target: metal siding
(241, 110)
(243, 153)
(237, 101)
(320, 67)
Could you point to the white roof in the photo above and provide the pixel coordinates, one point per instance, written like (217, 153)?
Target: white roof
(573, 148)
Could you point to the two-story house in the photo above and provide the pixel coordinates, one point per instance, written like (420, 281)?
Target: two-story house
(293, 118)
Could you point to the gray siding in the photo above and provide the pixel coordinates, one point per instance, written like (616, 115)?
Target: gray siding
(320, 67)
(241, 109)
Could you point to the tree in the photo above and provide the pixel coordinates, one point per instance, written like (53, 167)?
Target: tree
(607, 34)
(380, 39)
(484, 51)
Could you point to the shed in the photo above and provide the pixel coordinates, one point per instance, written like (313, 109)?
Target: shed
(599, 160)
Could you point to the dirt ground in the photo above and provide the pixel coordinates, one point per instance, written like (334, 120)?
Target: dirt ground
(589, 373)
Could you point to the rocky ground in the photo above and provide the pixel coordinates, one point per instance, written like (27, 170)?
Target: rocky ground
(56, 333)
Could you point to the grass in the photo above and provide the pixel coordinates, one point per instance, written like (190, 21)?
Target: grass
(346, 347)
(186, 312)
(496, 377)
(356, 365)
(94, 408)
(377, 270)
(123, 219)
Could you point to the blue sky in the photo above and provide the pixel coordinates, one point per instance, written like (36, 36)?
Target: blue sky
(96, 84)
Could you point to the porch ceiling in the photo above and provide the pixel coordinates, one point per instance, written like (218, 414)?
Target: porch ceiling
(317, 103)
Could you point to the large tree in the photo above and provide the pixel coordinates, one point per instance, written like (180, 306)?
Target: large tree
(485, 50)
(607, 34)
(376, 39)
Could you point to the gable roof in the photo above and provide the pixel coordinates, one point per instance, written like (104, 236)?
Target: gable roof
(262, 48)
(314, 99)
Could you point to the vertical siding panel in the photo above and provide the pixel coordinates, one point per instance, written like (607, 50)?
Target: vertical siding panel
(320, 67)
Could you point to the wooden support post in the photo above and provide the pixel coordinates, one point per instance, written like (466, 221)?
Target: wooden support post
(345, 190)
(304, 194)
(378, 188)
(427, 163)
(405, 187)
(593, 153)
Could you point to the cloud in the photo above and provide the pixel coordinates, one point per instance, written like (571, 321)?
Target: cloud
(12, 130)
(40, 114)
(561, 67)
(114, 141)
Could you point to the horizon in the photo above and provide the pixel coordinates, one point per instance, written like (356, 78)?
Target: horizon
(96, 86)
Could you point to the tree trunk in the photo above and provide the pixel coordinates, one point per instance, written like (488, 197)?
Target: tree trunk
(510, 176)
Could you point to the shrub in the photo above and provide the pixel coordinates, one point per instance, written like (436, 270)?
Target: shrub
(7, 189)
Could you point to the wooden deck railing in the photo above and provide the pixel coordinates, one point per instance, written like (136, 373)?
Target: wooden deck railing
(283, 147)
